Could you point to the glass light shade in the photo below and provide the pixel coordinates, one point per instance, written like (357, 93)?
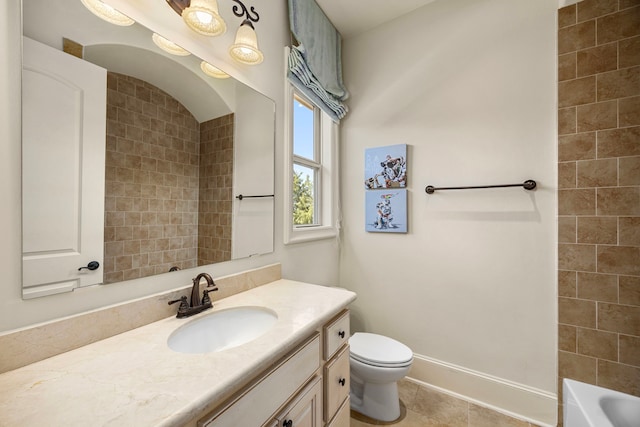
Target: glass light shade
(202, 17)
(169, 46)
(106, 12)
(212, 71)
(245, 49)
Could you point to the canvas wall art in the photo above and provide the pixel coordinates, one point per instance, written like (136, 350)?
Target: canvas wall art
(386, 211)
(385, 167)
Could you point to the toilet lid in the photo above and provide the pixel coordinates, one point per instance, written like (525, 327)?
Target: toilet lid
(379, 350)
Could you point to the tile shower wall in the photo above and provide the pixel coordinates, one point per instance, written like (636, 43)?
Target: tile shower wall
(215, 199)
(599, 193)
(151, 205)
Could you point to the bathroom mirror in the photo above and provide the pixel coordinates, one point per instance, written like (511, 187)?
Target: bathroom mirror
(179, 147)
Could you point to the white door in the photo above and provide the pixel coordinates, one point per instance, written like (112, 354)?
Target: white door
(63, 152)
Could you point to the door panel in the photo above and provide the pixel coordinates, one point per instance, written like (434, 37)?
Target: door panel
(63, 150)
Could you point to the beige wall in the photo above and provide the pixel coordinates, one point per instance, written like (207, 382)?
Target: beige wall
(599, 196)
(470, 86)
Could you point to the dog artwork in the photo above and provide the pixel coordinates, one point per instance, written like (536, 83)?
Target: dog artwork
(386, 167)
(384, 218)
(384, 208)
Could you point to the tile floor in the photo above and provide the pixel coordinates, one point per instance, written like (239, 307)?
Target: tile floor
(425, 407)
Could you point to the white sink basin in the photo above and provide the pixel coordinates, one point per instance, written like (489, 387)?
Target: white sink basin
(222, 329)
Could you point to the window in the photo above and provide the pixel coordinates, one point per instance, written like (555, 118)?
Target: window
(310, 181)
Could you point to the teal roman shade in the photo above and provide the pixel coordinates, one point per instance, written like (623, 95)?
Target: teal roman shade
(315, 65)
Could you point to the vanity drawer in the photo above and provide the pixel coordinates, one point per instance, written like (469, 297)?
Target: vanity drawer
(271, 391)
(336, 386)
(343, 417)
(336, 334)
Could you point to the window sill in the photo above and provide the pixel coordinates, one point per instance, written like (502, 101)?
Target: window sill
(309, 234)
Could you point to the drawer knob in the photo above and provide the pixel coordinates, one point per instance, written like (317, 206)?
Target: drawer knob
(287, 423)
(342, 381)
(341, 333)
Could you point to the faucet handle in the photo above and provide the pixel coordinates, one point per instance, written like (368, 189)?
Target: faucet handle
(183, 302)
(205, 296)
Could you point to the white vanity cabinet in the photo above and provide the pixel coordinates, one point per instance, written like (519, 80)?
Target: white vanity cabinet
(336, 371)
(307, 388)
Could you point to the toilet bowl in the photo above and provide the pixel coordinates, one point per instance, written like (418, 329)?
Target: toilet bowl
(377, 364)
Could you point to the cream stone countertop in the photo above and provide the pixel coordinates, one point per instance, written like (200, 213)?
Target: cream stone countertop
(134, 379)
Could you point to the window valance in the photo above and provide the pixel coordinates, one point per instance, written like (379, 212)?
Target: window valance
(315, 65)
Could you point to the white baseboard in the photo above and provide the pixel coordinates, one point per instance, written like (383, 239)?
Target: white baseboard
(513, 399)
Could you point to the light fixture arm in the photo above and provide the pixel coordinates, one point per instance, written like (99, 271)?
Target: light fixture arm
(242, 10)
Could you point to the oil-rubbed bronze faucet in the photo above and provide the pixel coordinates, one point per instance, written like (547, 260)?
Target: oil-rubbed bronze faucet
(197, 305)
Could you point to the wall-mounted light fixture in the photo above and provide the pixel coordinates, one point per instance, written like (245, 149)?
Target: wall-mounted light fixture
(106, 12)
(202, 16)
(169, 46)
(212, 71)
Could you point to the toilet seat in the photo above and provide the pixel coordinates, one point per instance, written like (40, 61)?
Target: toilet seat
(378, 350)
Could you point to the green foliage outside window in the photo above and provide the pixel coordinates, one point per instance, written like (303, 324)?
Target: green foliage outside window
(302, 199)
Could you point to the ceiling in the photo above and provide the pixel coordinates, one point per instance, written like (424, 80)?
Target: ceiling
(353, 17)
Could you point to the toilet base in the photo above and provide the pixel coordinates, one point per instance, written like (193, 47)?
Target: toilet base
(378, 401)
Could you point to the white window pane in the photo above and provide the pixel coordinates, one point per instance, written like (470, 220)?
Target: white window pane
(303, 195)
(303, 133)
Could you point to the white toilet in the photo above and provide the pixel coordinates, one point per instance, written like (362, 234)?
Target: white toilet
(377, 364)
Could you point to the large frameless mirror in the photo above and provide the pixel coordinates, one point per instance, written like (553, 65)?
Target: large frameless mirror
(134, 158)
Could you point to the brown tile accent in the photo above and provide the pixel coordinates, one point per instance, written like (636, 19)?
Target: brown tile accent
(598, 287)
(600, 344)
(577, 202)
(576, 147)
(597, 60)
(629, 111)
(567, 229)
(567, 338)
(589, 9)
(575, 37)
(579, 91)
(629, 52)
(624, 319)
(577, 312)
(629, 171)
(629, 231)
(567, 16)
(567, 175)
(609, 165)
(615, 84)
(597, 173)
(619, 260)
(601, 230)
(567, 67)
(567, 283)
(599, 116)
(144, 172)
(621, 25)
(629, 350)
(618, 201)
(576, 366)
(567, 121)
(617, 376)
(619, 142)
(577, 257)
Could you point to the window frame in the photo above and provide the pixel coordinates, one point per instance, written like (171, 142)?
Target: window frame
(326, 201)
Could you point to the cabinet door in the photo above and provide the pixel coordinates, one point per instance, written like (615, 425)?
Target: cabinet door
(306, 409)
(343, 417)
(337, 383)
